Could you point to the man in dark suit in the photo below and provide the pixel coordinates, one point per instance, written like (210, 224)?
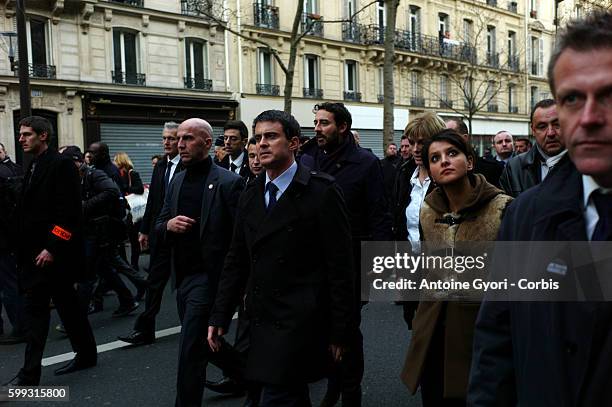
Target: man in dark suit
(491, 169)
(195, 226)
(159, 271)
(559, 353)
(50, 252)
(235, 136)
(292, 250)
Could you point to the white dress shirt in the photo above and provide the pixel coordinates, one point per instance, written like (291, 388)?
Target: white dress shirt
(413, 210)
(282, 182)
(589, 185)
(175, 161)
(237, 162)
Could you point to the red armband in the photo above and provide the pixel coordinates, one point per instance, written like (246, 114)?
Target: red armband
(61, 233)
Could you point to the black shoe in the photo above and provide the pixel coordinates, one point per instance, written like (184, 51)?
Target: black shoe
(226, 386)
(19, 381)
(138, 338)
(125, 310)
(330, 399)
(78, 363)
(12, 339)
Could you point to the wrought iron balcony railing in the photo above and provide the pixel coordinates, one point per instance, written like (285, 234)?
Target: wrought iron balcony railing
(492, 108)
(513, 109)
(135, 3)
(267, 89)
(513, 6)
(199, 82)
(312, 24)
(353, 32)
(446, 104)
(492, 59)
(313, 93)
(129, 78)
(200, 8)
(352, 96)
(38, 71)
(265, 16)
(419, 101)
(514, 63)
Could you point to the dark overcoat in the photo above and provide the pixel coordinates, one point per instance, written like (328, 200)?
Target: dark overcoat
(50, 214)
(544, 353)
(296, 262)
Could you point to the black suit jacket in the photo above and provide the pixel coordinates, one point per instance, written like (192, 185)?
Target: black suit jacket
(157, 193)
(245, 171)
(50, 214)
(544, 353)
(222, 189)
(296, 262)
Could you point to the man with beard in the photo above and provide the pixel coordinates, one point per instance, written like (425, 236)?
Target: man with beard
(529, 169)
(358, 173)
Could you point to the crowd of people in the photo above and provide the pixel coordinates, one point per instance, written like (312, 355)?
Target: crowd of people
(228, 222)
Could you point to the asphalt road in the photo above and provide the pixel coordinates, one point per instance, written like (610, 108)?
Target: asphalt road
(145, 376)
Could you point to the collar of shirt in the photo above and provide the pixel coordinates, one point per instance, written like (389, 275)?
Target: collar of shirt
(237, 162)
(282, 181)
(414, 179)
(175, 160)
(589, 185)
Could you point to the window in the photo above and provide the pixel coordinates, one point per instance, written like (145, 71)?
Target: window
(125, 56)
(40, 56)
(381, 14)
(265, 73)
(443, 26)
(444, 88)
(536, 56)
(468, 31)
(491, 97)
(511, 43)
(579, 11)
(534, 95)
(415, 87)
(310, 7)
(350, 8)
(351, 81)
(490, 39)
(311, 72)
(196, 64)
(512, 99)
(415, 21)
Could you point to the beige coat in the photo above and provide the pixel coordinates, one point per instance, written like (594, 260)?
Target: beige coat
(479, 221)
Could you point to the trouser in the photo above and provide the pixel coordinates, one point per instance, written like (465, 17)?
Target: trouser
(122, 267)
(98, 263)
(194, 353)
(37, 319)
(297, 395)
(159, 274)
(9, 290)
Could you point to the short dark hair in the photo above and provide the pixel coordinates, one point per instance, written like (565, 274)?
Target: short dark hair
(452, 137)
(290, 126)
(545, 103)
(592, 32)
(74, 152)
(524, 139)
(462, 128)
(237, 125)
(39, 125)
(252, 141)
(340, 112)
(404, 137)
(156, 156)
(392, 144)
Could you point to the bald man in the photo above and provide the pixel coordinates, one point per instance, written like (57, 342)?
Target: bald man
(195, 226)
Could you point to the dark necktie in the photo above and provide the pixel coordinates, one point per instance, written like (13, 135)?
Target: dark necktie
(233, 167)
(603, 203)
(168, 172)
(272, 190)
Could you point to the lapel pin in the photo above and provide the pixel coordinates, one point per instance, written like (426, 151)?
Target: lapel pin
(210, 186)
(557, 266)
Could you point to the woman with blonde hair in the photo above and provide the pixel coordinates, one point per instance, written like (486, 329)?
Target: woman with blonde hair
(412, 185)
(130, 183)
(463, 207)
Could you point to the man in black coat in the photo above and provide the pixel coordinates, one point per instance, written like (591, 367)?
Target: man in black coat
(194, 229)
(159, 271)
(50, 252)
(526, 170)
(292, 250)
(358, 174)
(235, 136)
(559, 353)
(491, 169)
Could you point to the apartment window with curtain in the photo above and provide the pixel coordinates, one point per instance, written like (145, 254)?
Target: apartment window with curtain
(196, 64)
(491, 97)
(445, 99)
(311, 7)
(492, 56)
(512, 107)
(125, 58)
(351, 81)
(536, 56)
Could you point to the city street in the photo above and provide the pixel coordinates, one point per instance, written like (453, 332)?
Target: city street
(145, 376)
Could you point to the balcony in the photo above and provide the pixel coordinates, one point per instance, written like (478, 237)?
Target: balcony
(193, 7)
(491, 108)
(38, 71)
(381, 98)
(514, 63)
(429, 45)
(492, 59)
(446, 104)
(134, 3)
(266, 89)
(513, 6)
(129, 78)
(352, 96)
(353, 32)
(312, 24)
(513, 109)
(265, 16)
(198, 83)
(492, 3)
(420, 101)
(374, 35)
(313, 93)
